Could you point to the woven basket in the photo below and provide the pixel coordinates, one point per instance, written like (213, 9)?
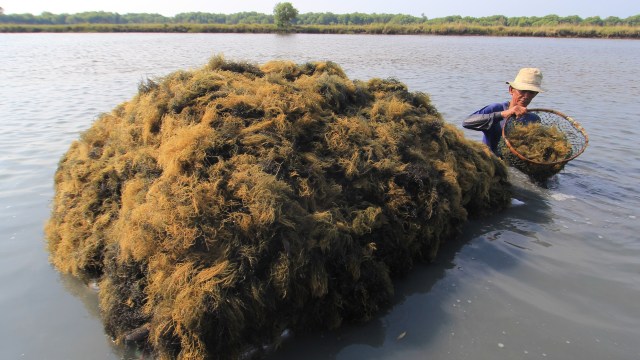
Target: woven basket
(541, 171)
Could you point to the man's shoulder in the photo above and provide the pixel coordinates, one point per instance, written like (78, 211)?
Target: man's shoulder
(491, 108)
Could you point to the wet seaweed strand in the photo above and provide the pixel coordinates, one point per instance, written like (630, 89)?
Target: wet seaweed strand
(223, 205)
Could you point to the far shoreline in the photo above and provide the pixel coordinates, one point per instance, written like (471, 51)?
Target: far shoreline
(559, 31)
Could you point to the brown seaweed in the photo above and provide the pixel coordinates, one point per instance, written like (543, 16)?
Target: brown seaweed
(544, 146)
(223, 205)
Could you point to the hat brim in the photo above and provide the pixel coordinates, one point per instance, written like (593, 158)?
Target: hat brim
(525, 86)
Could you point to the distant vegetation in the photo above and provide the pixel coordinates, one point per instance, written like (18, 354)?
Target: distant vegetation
(102, 17)
(284, 14)
(100, 21)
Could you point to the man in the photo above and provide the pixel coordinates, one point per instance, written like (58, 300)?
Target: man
(490, 119)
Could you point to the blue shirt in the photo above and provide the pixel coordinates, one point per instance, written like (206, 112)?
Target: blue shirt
(493, 134)
(489, 120)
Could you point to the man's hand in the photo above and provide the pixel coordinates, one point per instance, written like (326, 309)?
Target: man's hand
(516, 110)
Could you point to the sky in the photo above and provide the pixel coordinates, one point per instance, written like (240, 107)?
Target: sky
(430, 8)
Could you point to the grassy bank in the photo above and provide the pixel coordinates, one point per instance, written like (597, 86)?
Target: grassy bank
(580, 31)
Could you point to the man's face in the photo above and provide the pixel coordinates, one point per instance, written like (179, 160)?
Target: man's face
(521, 97)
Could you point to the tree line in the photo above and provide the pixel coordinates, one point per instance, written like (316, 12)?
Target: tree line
(326, 18)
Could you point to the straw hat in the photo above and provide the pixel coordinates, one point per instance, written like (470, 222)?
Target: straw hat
(528, 79)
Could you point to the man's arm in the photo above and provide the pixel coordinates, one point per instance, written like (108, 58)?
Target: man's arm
(481, 121)
(484, 118)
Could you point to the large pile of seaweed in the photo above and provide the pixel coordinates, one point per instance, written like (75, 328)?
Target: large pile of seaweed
(222, 205)
(545, 148)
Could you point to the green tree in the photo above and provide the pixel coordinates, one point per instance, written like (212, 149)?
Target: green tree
(593, 20)
(613, 21)
(284, 14)
(633, 20)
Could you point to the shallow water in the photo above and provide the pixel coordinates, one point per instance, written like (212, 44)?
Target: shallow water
(556, 276)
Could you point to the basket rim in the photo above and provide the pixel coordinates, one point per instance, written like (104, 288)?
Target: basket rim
(566, 117)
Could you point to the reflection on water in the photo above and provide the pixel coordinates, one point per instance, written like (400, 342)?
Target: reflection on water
(556, 276)
(86, 290)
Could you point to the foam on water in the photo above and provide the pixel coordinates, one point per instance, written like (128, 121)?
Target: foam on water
(561, 197)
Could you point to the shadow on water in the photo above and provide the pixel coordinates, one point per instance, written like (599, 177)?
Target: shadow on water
(530, 211)
(373, 334)
(87, 292)
(419, 311)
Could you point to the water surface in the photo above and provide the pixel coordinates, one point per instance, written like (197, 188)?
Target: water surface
(557, 277)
